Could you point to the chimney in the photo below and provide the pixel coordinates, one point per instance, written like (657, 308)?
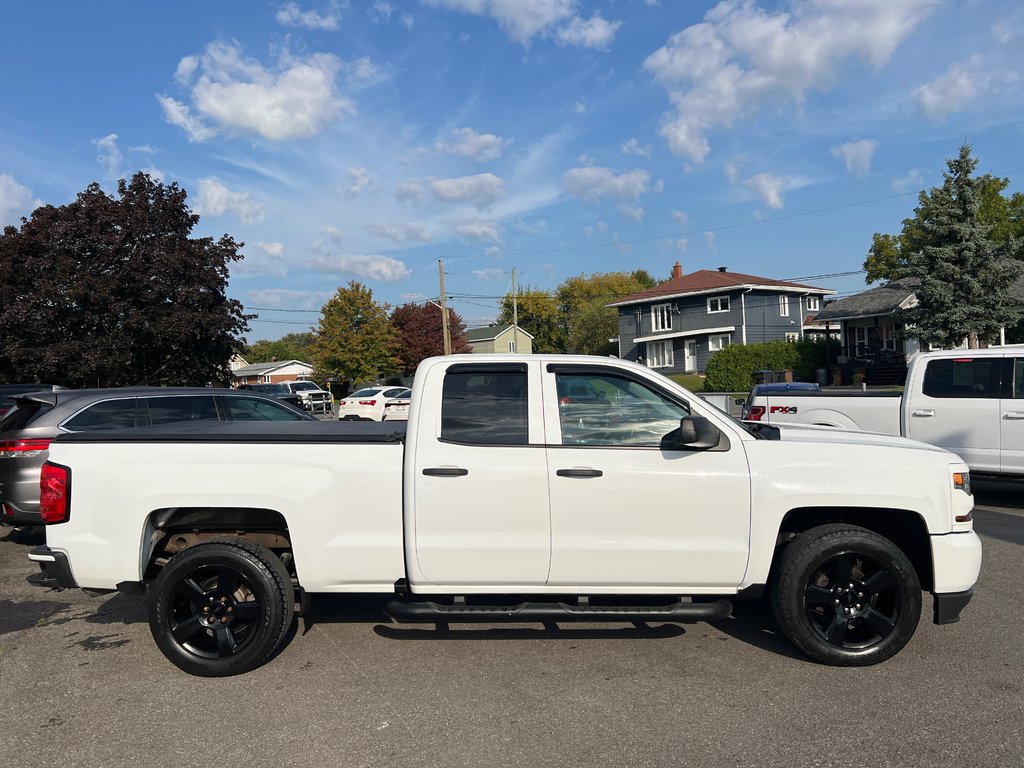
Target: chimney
(677, 271)
(722, 269)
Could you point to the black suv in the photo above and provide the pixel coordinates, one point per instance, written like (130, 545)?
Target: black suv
(36, 418)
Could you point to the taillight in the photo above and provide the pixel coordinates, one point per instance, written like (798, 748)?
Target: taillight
(565, 400)
(54, 493)
(342, 402)
(367, 402)
(756, 412)
(27, 449)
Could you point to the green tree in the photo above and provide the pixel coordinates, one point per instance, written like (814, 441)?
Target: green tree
(889, 255)
(418, 331)
(582, 301)
(538, 316)
(964, 272)
(354, 341)
(113, 291)
(291, 346)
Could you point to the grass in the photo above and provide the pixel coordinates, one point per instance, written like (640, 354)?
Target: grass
(691, 381)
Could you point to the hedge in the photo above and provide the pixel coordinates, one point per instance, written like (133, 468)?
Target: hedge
(732, 369)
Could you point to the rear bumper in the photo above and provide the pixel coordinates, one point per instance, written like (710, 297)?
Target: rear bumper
(12, 514)
(54, 569)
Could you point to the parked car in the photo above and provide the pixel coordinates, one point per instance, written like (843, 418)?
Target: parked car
(314, 399)
(397, 408)
(368, 404)
(8, 392)
(38, 417)
(277, 391)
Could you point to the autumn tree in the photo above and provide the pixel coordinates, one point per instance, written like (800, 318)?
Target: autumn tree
(539, 316)
(582, 301)
(291, 346)
(113, 290)
(419, 334)
(354, 342)
(964, 273)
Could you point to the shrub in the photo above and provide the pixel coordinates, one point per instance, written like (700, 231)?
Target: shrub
(732, 369)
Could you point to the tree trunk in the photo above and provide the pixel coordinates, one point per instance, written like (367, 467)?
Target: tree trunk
(972, 340)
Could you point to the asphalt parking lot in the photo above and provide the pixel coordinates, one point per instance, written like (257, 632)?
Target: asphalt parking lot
(83, 684)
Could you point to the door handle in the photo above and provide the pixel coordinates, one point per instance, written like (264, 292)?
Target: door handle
(579, 473)
(445, 472)
(923, 413)
(1013, 415)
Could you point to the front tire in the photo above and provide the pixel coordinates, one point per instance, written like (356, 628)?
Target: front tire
(221, 608)
(846, 596)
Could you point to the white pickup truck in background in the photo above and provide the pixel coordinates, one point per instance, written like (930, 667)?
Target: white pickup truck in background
(970, 402)
(522, 488)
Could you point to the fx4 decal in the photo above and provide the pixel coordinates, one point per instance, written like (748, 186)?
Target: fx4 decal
(782, 409)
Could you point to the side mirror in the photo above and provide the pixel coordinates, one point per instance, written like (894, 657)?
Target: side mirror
(698, 432)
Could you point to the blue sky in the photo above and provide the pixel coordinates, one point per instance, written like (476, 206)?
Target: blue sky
(367, 139)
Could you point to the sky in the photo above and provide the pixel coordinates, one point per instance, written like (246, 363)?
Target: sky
(367, 139)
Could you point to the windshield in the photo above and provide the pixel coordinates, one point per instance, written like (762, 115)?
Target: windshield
(303, 386)
(275, 389)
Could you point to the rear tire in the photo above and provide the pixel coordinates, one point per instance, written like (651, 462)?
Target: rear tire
(846, 596)
(221, 607)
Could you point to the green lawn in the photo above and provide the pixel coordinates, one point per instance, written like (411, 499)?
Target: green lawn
(691, 381)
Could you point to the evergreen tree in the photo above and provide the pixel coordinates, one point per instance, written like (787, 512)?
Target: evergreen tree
(354, 342)
(964, 274)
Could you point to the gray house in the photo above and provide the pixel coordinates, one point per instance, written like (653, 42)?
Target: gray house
(677, 325)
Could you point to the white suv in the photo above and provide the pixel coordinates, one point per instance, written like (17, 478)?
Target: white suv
(314, 399)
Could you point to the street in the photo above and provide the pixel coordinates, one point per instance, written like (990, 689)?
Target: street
(83, 684)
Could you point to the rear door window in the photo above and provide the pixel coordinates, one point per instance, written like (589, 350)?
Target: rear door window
(252, 409)
(107, 414)
(166, 410)
(481, 407)
(963, 377)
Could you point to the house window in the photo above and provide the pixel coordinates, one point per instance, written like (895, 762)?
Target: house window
(659, 354)
(784, 306)
(266, 380)
(661, 317)
(793, 336)
(718, 342)
(511, 346)
(813, 303)
(860, 335)
(718, 304)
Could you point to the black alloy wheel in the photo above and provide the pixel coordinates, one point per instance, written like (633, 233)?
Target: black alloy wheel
(846, 595)
(221, 607)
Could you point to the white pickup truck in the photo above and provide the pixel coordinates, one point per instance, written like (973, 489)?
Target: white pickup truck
(970, 402)
(523, 488)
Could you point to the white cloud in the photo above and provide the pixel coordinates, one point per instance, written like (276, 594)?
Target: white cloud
(482, 147)
(484, 231)
(742, 58)
(360, 179)
(236, 95)
(402, 233)
(710, 240)
(633, 147)
(580, 107)
(964, 82)
(732, 168)
(369, 267)
(154, 173)
(291, 15)
(634, 212)
(913, 179)
(406, 20)
(593, 33)
(681, 218)
(481, 190)
(263, 258)
(595, 183)
(15, 201)
(288, 299)
(680, 244)
(381, 11)
(768, 188)
(215, 199)
(857, 155)
(522, 20)
(490, 275)
(409, 190)
(109, 156)
(364, 69)
(333, 234)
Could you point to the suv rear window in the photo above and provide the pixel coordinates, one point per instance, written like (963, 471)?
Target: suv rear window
(21, 414)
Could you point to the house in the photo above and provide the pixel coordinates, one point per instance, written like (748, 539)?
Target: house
(499, 338)
(677, 325)
(272, 372)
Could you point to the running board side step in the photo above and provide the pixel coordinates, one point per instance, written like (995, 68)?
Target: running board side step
(426, 611)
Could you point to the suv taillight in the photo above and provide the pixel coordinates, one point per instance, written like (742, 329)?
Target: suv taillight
(27, 449)
(756, 412)
(54, 493)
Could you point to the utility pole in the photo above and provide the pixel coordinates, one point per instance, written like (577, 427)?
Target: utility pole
(444, 312)
(515, 313)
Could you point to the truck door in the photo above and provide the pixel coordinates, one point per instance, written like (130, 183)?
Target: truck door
(479, 513)
(1011, 418)
(624, 510)
(958, 409)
